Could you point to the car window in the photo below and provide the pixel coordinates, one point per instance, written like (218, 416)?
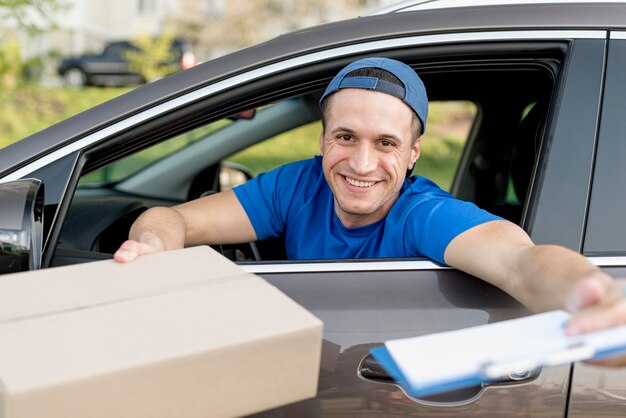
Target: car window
(132, 164)
(448, 129)
(481, 144)
(116, 49)
(296, 144)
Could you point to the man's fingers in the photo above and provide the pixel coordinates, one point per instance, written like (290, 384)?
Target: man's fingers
(598, 317)
(128, 251)
(587, 292)
(131, 249)
(597, 305)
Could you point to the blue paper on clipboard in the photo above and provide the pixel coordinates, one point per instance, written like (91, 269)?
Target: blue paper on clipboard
(441, 362)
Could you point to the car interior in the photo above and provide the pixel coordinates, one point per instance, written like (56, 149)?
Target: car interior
(511, 87)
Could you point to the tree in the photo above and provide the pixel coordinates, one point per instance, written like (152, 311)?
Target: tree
(32, 15)
(153, 57)
(10, 64)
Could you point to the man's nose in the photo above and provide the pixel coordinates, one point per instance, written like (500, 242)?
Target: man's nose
(363, 159)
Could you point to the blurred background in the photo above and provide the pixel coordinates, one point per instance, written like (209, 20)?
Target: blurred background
(59, 57)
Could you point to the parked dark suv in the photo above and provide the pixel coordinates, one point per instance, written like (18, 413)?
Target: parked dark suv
(110, 68)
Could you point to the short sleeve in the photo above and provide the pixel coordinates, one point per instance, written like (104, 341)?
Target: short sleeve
(268, 197)
(437, 220)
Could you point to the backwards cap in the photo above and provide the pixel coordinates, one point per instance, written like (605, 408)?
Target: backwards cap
(413, 93)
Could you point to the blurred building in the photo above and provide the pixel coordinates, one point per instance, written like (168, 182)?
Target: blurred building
(214, 27)
(217, 27)
(87, 25)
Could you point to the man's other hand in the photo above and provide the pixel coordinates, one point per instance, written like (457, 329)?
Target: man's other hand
(598, 304)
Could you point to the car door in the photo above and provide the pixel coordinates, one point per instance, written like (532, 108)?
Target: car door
(605, 235)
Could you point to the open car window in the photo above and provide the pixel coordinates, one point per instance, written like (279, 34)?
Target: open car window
(481, 144)
(449, 128)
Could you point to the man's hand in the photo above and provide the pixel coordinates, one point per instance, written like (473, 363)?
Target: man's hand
(215, 219)
(542, 277)
(131, 249)
(597, 305)
(157, 229)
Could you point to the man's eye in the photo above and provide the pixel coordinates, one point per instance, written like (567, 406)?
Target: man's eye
(386, 143)
(345, 137)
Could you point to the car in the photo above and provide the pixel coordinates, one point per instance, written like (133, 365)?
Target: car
(111, 68)
(544, 148)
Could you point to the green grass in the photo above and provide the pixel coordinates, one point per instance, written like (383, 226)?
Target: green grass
(439, 159)
(25, 111)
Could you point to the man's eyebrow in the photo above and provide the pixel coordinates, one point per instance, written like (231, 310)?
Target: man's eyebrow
(389, 136)
(352, 131)
(343, 129)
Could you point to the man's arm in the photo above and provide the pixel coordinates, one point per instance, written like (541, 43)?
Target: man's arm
(214, 219)
(542, 277)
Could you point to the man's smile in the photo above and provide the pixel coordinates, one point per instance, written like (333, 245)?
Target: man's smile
(357, 183)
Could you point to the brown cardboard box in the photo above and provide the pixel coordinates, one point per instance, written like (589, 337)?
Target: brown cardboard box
(179, 334)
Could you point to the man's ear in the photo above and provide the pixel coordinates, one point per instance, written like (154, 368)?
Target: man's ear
(415, 152)
(322, 143)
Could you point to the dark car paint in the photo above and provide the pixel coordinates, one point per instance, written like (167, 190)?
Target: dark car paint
(606, 229)
(405, 304)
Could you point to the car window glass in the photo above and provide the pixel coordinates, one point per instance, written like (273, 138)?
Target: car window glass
(121, 169)
(448, 129)
(115, 50)
(512, 195)
(296, 144)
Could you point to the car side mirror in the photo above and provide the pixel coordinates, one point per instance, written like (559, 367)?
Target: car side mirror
(246, 115)
(21, 225)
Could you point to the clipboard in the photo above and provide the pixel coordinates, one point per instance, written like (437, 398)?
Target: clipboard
(441, 362)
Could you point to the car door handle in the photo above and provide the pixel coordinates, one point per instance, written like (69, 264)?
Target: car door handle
(371, 370)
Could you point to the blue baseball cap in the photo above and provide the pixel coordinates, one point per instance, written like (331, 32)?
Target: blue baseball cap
(413, 93)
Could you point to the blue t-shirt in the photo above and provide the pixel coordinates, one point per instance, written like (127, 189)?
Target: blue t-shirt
(296, 202)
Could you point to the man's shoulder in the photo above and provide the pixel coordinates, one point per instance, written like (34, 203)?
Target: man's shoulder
(423, 187)
(298, 171)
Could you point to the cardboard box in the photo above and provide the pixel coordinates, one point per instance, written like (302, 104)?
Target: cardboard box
(179, 334)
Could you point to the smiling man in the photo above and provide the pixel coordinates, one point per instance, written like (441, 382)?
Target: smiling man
(356, 201)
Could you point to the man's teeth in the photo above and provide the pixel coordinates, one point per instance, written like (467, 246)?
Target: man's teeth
(357, 183)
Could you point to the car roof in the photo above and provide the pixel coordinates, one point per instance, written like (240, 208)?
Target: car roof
(414, 5)
(311, 40)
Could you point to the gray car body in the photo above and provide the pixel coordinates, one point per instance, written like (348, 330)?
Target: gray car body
(573, 198)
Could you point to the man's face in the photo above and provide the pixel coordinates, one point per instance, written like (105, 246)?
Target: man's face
(367, 147)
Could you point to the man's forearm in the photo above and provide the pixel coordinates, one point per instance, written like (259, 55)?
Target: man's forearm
(542, 277)
(545, 277)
